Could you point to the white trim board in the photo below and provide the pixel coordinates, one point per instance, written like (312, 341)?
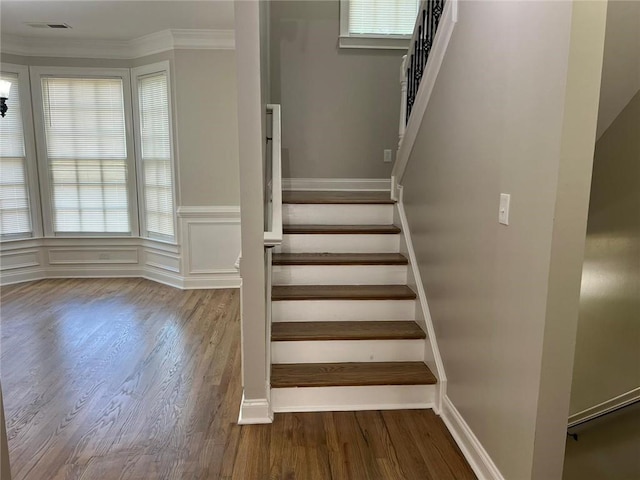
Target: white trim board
(172, 39)
(478, 458)
(226, 212)
(343, 399)
(605, 407)
(436, 56)
(337, 184)
(423, 314)
(255, 411)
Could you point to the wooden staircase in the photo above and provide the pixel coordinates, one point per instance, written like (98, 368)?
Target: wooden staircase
(344, 335)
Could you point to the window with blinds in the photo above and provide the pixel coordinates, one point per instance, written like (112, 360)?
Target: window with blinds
(382, 17)
(155, 155)
(15, 214)
(84, 125)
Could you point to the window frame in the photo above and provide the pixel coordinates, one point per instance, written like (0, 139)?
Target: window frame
(30, 162)
(36, 74)
(368, 41)
(143, 71)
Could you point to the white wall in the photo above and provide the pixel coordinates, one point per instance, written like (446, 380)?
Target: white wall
(508, 116)
(340, 107)
(621, 69)
(207, 187)
(207, 127)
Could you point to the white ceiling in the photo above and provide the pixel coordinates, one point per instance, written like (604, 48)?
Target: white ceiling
(113, 20)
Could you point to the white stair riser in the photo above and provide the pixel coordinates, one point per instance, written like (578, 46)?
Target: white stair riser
(325, 399)
(339, 274)
(342, 310)
(329, 351)
(337, 214)
(338, 243)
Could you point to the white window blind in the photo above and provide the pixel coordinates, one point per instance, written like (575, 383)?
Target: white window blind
(84, 123)
(15, 214)
(382, 17)
(155, 144)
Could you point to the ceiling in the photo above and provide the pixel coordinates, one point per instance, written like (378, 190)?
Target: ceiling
(113, 20)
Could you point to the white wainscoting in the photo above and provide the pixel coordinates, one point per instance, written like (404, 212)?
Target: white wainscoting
(209, 243)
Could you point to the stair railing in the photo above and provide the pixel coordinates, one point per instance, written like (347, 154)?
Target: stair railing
(420, 66)
(272, 214)
(414, 63)
(273, 181)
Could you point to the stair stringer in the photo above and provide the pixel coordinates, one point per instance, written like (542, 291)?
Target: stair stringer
(423, 315)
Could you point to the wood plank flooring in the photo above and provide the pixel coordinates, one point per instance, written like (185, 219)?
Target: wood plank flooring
(340, 229)
(336, 197)
(350, 374)
(114, 379)
(339, 259)
(359, 330)
(342, 292)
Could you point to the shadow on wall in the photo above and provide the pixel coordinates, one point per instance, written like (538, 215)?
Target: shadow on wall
(606, 449)
(607, 361)
(608, 337)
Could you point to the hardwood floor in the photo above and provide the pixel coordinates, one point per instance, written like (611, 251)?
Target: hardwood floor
(113, 379)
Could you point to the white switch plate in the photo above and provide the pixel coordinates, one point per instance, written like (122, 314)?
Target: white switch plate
(387, 156)
(503, 212)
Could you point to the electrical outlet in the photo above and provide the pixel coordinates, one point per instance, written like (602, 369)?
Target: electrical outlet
(503, 212)
(387, 156)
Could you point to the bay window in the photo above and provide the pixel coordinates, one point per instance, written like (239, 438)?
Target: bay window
(16, 157)
(105, 154)
(154, 150)
(86, 154)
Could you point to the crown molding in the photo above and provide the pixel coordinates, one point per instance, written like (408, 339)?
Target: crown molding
(165, 40)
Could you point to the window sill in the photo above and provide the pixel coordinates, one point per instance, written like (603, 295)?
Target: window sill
(382, 42)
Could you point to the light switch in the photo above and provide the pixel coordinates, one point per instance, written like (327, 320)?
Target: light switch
(387, 156)
(503, 213)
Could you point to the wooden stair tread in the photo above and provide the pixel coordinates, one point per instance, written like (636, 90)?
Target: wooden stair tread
(360, 330)
(340, 229)
(339, 259)
(342, 292)
(339, 198)
(350, 374)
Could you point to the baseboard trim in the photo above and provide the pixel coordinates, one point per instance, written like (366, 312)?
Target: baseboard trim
(422, 306)
(205, 282)
(21, 275)
(345, 184)
(257, 411)
(471, 448)
(605, 407)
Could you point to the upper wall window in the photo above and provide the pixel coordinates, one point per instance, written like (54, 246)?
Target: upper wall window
(155, 150)
(86, 156)
(384, 24)
(16, 157)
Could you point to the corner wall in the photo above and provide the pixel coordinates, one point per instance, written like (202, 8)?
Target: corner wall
(497, 122)
(607, 361)
(340, 107)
